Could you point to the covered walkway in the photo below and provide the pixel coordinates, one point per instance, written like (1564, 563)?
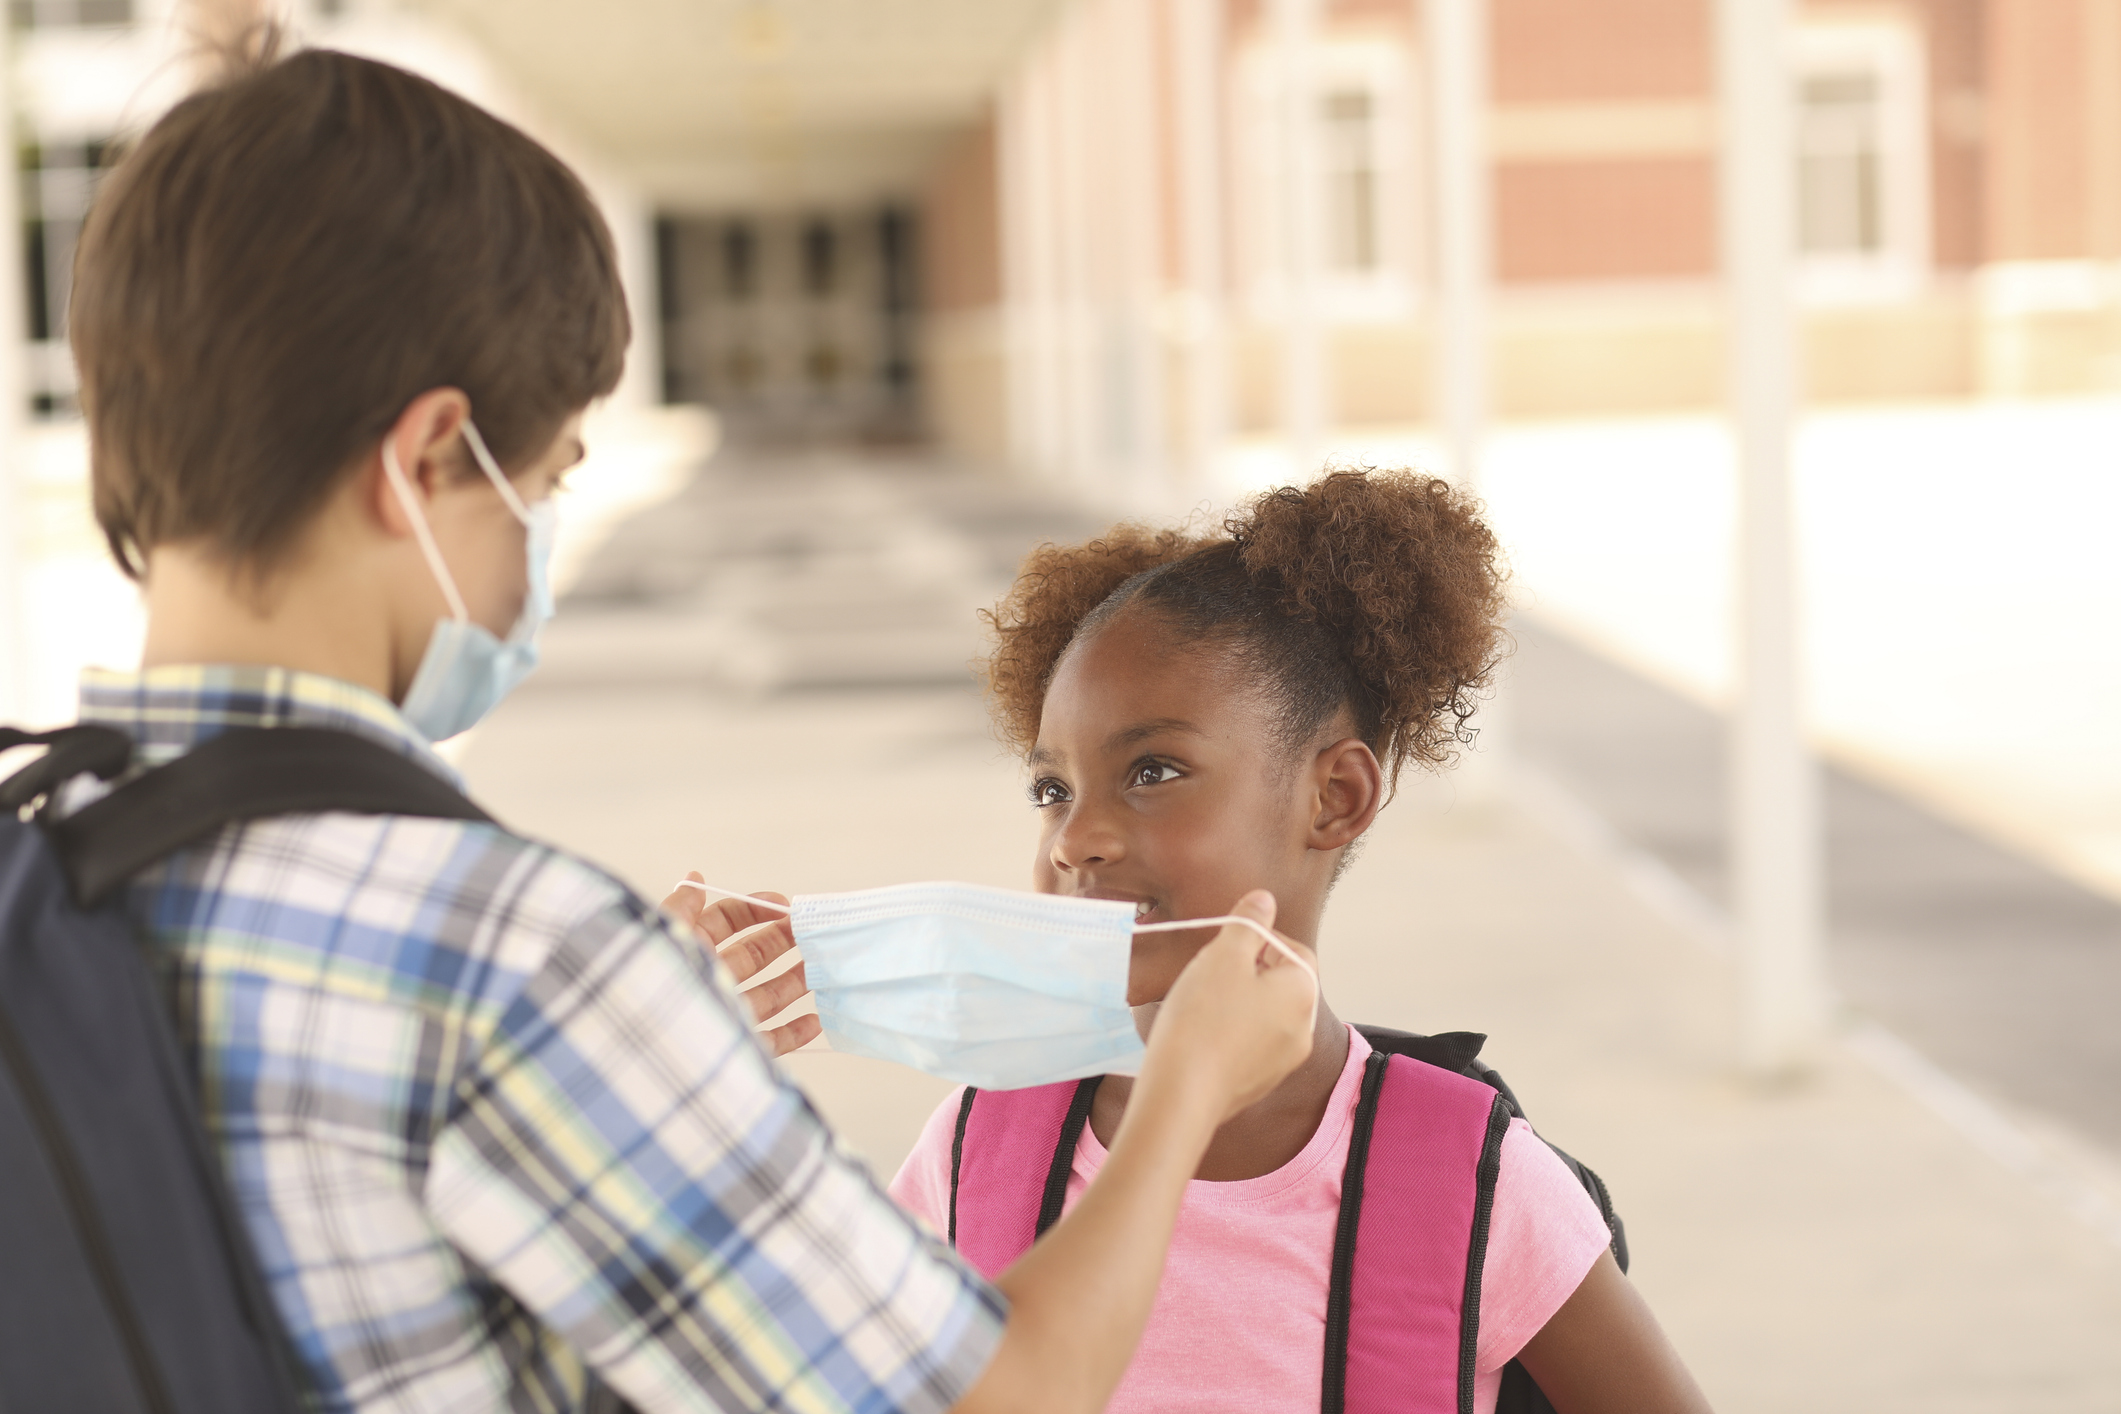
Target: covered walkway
(1848, 1243)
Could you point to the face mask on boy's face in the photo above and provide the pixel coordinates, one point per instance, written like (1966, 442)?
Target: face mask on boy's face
(466, 671)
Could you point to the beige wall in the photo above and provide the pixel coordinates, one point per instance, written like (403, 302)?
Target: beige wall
(1605, 238)
(1664, 354)
(963, 370)
(967, 391)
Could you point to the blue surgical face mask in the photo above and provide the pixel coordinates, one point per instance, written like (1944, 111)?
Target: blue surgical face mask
(986, 987)
(466, 671)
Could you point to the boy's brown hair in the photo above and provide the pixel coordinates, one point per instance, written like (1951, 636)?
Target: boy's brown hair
(289, 258)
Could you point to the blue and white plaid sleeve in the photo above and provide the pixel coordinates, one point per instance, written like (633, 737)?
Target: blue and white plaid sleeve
(625, 1160)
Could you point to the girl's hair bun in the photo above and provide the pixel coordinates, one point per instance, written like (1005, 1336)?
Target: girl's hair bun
(1401, 572)
(1378, 591)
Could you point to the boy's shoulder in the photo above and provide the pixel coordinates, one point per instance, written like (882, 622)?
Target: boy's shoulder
(505, 905)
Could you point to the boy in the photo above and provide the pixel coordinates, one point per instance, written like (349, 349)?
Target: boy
(499, 1132)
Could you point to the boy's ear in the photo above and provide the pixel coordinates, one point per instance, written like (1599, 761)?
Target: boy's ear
(1351, 790)
(424, 438)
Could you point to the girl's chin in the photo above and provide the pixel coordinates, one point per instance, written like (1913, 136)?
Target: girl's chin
(1145, 1017)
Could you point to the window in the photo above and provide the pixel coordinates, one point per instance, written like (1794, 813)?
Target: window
(739, 261)
(1839, 166)
(820, 259)
(794, 325)
(1349, 157)
(57, 181)
(1862, 187)
(1361, 141)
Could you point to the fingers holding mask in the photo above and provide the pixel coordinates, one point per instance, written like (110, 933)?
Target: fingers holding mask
(1246, 1006)
(750, 938)
(718, 918)
(750, 957)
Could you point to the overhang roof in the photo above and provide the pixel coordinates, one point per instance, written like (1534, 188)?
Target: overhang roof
(710, 103)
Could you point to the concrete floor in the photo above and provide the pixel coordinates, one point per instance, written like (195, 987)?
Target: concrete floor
(1997, 968)
(1831, 1245)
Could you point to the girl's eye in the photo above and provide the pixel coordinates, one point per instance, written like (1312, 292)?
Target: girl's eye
(1046, 791)
(1153, 773)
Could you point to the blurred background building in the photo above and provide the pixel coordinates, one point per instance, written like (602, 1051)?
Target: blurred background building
(918, 283)
(1959, 196)
(1018, 228)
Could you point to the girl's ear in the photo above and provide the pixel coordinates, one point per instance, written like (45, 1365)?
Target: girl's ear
(1351, 790)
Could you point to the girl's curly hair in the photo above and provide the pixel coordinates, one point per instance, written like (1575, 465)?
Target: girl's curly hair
(1378, 591)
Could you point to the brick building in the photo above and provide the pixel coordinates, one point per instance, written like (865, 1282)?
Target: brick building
(1113, 228)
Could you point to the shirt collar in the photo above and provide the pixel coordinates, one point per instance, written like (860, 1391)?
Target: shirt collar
(169, 709)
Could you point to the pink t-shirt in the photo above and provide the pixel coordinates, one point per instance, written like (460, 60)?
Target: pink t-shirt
(1240, 1319)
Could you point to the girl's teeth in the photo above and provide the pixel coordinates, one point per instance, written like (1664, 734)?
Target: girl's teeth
(1141, 910)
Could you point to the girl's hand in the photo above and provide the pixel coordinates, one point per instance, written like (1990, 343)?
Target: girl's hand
(766, 937)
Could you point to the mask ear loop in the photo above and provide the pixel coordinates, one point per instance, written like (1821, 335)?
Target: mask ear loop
(732, 893)
(742, 933)
(436, 566)
(493, 471)
(1272, 938)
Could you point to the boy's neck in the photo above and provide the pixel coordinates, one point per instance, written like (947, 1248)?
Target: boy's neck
(308, 619)
(1266, 1135)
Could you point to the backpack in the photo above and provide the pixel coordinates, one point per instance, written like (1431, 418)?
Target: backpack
(1403, 1304)
(127, 1285)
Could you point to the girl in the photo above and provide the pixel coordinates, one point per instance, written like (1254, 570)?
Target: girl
(1201, 715)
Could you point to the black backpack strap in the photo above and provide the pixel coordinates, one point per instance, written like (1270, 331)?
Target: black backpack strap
(73, 750)
(1455, 1051)
(246, 773)
(1339, 1301)
(1489, 1172)
(957, 1153)
(1056, 1195)
(1459, 1051)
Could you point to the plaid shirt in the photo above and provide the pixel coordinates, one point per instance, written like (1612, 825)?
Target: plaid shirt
(499, 1131)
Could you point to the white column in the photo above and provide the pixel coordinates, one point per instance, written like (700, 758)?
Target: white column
(1064, 117)
(1197, 47)
(1775, 834)
(1018, 171)
(1457, 36)
(1041, 247)
(1139, 381)
(14, 538)
(1306, 394)
(1455, 33)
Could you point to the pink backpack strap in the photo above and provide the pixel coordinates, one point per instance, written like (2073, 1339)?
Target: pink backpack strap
(1009, 1164)
(1403, 1309)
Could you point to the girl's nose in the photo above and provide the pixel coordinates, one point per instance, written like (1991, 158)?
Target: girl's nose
(1084, 841)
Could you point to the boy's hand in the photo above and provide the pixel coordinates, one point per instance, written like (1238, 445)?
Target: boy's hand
(718, 921)
(1240, 1017)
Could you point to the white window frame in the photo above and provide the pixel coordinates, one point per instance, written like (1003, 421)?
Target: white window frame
(1379, 68)
(1891, 54)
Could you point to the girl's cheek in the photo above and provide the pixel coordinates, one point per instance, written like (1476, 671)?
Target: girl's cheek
(1157, 960)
